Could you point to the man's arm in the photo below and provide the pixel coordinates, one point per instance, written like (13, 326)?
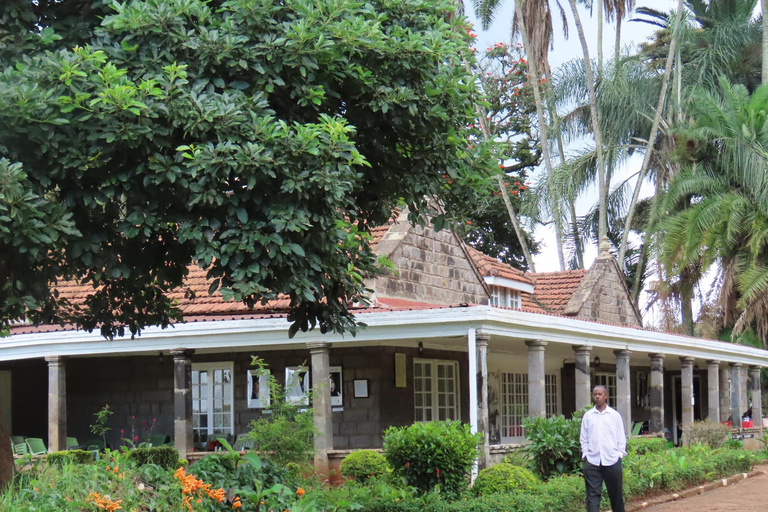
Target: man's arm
(621, 442)
(584, 435)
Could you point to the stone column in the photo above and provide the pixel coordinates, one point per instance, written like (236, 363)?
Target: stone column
(537, 398)
(182, 401)
(757, 397)
(736, 386)
(725, 394)
(57, 403)
(583, 385)
(656, 387)
(743, 389)
(321, 404)
(624, 388)
(686, 393)
(713, 390)
(481, 341)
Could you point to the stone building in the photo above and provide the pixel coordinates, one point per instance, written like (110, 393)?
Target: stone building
(451, 334)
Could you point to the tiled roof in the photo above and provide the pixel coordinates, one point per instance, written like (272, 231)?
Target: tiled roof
(553, 290)
(491, 267)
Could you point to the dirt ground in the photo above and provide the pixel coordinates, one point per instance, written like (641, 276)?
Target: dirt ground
(746, 496)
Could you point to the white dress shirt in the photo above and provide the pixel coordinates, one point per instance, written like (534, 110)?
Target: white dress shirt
(603, 441)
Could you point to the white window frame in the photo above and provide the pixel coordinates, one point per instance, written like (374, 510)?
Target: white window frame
(434, 392)
(504, 297)
(514, 403)
(608, 380)
(209, 399)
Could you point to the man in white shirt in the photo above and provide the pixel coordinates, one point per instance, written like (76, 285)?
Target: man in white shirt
(603, 444)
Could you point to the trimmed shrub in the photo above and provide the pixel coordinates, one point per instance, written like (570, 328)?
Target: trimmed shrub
(164, 456)
(554, 446)
(69, 456)
(363, 464)
(504, 478)
(707, 432)
(643, 445)
(428, 454)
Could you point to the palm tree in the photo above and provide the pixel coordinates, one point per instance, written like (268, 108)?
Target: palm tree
(533, 20)
(719, 203)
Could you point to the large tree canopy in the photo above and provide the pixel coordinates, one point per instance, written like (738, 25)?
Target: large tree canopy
(259, 139)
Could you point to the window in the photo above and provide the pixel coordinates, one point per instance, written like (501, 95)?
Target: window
(550, 387)
(609, 381)
(514, 402)
(212, 409)
(504, 297)
(435, 390)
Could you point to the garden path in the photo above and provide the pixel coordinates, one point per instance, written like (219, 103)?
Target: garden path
(745, 496)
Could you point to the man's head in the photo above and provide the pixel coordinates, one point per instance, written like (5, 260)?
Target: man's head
(599, 396)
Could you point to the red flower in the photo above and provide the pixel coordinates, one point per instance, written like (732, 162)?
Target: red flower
(438, 473)
(407, 465)
(154, 420)
(122, 431)
(136, 438)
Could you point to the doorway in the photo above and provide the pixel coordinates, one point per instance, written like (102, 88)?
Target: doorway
(5, 399)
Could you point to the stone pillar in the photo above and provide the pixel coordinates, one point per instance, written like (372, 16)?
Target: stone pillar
(624, 389)
(583, 385)
(757, 397)
(725, 394)
(57, 403)
(656, 387)
(713, 391)
(743, 389)
(481, 341)
(321, 404)
(686, 393)
(182, 401)
(537, 398)
(736, 386)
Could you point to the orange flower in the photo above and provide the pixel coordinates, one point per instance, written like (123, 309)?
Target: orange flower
(238, 504)
(300, 492)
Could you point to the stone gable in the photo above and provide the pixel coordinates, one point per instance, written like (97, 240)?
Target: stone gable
(430, 266)
(602, 295)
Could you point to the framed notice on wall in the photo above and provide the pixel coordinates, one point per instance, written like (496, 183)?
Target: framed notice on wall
(337, 397)
(401, 379)
(258, 389)
(297, 385)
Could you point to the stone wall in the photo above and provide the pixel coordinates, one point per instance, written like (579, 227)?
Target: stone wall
(430, 267)
(602, 295)
(139, 390)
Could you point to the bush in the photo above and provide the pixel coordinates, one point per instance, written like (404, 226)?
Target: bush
(363, 464)
(554, 446)
(707, 432)
(428, 454)
(163, 456)
(287, 435)
(234, 471)
(517, 457)
(70, 456)
(733, 444)
(643, 445)
(504, 478)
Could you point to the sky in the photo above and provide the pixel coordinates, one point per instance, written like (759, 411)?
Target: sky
(564, 51)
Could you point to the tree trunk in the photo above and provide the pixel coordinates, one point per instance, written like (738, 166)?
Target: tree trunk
(533, 78)
(686, 304)
(617, 56)
(764, 4)
(500, 180)
(654, 130)
(602, 178)
(6, 457)
(516, 225)
(600, 38)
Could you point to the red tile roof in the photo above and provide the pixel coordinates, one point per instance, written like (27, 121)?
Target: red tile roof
(553, 290)
(491, 267)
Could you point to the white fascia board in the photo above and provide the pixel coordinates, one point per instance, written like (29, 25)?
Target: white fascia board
(382, 328)
(508, 283)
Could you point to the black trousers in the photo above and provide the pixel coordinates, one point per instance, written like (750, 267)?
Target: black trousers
(594, 477)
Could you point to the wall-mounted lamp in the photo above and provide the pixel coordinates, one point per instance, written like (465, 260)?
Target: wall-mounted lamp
(421, 348)
(597, 361)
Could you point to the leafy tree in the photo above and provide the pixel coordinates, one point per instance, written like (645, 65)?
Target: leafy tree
(718, 204)
(260, 140)
(508, 110)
